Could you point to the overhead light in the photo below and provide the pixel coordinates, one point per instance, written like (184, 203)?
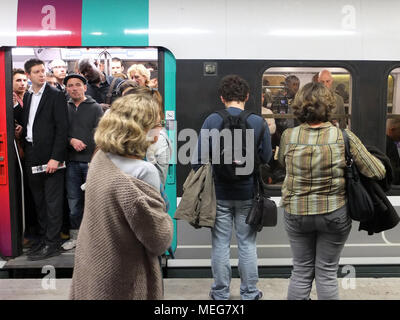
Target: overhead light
(310, 33)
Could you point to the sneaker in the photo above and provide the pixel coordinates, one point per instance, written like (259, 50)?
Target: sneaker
(69, 245)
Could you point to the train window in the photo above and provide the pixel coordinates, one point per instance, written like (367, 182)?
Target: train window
(393, 123)
(280, 85)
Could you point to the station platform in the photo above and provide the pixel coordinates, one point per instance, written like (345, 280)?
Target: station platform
(197, 289)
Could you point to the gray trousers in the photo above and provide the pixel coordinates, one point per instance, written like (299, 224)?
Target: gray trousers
(316, 242)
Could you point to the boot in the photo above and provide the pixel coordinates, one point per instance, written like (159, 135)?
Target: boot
(71, 243)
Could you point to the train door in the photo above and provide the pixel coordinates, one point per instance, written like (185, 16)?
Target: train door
(12, 198)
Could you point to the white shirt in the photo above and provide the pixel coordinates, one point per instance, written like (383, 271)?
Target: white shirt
(139, 169)
(36, 97)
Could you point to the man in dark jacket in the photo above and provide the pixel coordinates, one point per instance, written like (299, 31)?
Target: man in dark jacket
(234, 200)
(45, 127)
(100, 87)
(83, 116)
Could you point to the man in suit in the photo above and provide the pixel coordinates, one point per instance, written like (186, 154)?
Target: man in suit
(45, 128)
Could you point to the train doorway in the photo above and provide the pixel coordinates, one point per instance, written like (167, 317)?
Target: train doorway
(112, 61)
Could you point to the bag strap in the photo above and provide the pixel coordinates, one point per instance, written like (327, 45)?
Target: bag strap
(224, 115)
(257, 163)
(348, 155)
(110, 90)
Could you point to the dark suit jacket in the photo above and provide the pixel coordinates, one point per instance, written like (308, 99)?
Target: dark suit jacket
(50, 127)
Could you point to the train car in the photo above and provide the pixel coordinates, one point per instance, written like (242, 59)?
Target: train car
(196, 44)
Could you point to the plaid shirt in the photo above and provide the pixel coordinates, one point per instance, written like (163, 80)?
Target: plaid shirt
(315, 160)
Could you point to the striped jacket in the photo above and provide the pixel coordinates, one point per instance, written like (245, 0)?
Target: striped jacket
(314, 159)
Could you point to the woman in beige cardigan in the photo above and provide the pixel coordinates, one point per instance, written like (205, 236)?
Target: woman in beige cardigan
(125, 226)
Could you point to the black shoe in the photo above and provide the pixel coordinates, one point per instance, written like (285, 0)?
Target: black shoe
(36, 246)
(258, 296)
(45, 252)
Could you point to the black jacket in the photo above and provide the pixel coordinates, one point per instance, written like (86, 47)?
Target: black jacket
(83, 121)
(385, 216)
(50, 127)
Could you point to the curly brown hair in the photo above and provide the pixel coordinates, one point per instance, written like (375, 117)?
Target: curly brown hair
(233, 88)
(313, 103)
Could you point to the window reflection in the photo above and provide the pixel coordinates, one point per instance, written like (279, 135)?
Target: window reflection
(393, 124)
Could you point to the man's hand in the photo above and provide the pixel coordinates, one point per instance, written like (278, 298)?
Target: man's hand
(52, 166)
(18, 130)
(78, 145)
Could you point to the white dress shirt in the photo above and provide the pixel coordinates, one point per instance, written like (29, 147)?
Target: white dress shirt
(36, 97)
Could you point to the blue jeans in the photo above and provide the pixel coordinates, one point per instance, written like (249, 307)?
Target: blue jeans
(316, 242)
(227, 212)
(76, 176)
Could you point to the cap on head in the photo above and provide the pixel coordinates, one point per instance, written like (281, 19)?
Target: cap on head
(75, 75)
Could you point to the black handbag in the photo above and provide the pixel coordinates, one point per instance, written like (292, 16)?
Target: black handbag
(263, 212)
(359, 203)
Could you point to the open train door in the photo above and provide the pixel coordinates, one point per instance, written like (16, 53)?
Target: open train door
(10, 208)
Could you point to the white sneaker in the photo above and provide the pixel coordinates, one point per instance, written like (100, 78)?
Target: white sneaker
(69, 245)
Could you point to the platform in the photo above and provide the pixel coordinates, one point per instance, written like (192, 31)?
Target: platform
(197, 289)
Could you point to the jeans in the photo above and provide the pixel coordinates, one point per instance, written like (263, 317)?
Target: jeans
(76, 176)
(229, 211)
(316, 242)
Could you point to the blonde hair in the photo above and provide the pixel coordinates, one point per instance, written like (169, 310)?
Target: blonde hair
(141, 69)
(313, 103)
(151, 92)
(123, 129)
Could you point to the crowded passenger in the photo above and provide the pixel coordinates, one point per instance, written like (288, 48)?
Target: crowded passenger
(51, 79)
(234, 200)
(270, 121)
(20, 86)
(59, 69)
(140, 74)
(117, 69)
(392, 151)
(341, 91)
(126, 86)
(125, 227)
(100, 87)
(325, 77)
(83, 116)
(314, 194)
(153, 83)
(45, 143)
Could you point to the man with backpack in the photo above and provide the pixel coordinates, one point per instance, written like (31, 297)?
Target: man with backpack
(243, 142)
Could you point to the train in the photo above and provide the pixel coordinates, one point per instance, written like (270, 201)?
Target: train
(194, 44)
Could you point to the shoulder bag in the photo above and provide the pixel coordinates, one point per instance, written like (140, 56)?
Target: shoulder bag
(264, 211)
(359, 203)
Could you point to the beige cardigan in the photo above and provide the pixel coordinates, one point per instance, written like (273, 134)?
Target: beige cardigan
(123, 231)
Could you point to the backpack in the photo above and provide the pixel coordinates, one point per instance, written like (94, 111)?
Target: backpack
(226, 172)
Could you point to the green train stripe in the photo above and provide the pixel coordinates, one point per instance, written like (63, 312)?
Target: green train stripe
(115, 23)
